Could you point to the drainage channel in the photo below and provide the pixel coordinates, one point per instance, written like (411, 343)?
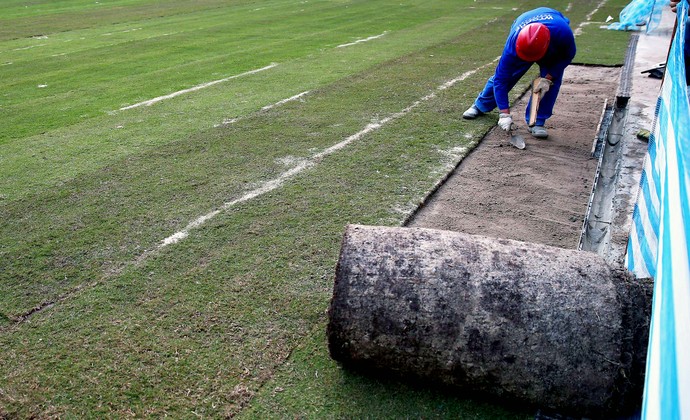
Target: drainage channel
(596, 228)
(608, 149)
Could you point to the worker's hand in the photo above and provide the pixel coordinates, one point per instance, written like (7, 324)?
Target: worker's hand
(674, 4)
(505, 121)
(543, 86)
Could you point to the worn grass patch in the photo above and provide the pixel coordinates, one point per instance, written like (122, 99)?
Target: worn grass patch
(310, 376)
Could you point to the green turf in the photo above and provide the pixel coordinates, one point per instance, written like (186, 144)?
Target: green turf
(230, 320)
(593, 37)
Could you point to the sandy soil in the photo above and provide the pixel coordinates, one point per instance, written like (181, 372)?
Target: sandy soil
(539, 194)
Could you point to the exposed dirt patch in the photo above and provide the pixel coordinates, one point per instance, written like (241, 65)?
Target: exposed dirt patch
(539, 194)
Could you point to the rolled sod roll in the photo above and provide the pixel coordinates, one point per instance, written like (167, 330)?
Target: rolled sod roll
(529, 323)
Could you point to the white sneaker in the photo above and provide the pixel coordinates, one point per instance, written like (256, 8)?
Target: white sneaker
(539, 131)
(472, 113)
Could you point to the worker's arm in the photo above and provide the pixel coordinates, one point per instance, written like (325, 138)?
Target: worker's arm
(509, 70)
(554, 71)
(674, 4)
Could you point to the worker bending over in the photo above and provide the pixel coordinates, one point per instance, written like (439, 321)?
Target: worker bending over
(541, 36)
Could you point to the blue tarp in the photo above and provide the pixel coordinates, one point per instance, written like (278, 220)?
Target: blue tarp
(659, 240)
(640, 13)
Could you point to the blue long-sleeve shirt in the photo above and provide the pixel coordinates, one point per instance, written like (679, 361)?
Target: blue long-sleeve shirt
(558, 56)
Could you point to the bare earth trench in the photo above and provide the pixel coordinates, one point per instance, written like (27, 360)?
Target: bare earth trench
(539, 194)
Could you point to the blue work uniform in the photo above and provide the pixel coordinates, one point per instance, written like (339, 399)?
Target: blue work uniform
(511, 68)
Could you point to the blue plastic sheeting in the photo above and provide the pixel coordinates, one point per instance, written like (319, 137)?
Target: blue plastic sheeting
(659, 244)
(640, 13)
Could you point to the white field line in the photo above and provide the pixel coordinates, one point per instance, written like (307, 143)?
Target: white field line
(265, 108)
(361, 40)
(292, 98)
(569, 8)
(195, 88)
(227, 121)
(124, 31)
(29, 47)
(273, 184)
(578, 30)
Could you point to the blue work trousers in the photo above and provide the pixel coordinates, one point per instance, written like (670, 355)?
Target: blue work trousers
(486, 101)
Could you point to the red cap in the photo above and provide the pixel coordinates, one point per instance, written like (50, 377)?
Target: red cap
(532, 42)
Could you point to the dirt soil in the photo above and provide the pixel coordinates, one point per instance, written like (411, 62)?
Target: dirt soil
(539, 194)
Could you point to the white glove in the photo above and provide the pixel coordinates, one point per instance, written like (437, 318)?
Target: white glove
(505, 121)
(543, 86)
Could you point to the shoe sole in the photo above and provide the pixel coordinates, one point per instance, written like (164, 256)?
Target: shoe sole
(471, 117)
(540, 135)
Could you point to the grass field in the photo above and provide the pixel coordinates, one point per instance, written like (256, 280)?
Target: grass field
(175, 178)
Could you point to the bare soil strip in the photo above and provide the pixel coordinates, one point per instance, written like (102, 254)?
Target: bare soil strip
(539, 194)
